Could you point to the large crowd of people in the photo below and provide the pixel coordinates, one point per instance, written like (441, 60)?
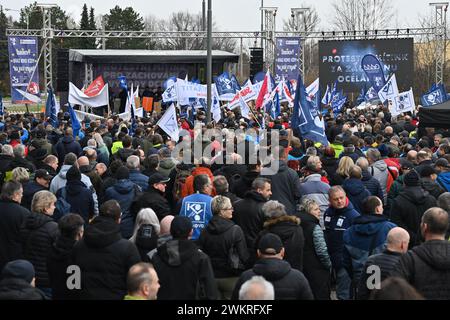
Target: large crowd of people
(120, 212)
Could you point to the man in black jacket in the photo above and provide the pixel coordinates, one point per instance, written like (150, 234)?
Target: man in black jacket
(249, 216)
(13, 216)
(71, 229)
(154, 197)
(184, 271)
(18, 282)
(104, 257)
(289, 284)
(427, 267)
(67, 145)
(41, 182)
(396, 244)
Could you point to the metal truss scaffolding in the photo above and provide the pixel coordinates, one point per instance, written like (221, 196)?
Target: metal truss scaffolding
(440, 39)
(270, 14)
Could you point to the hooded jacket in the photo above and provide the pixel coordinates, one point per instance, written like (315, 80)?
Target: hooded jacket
(124, 191)
(244, 184)
(372, 184)
(19, 289)
(154, 199)
(408, 208)
(444, 180)
(166, 165)
(336, 221)
(80, 198)
(288, 283)
(184, 272)
(58, 260)
(427, 268)
(379, 170)
(216, 240)
(291, 234)
(140, 179)
(432, 187)
(44, 144)
(285, 186)
(29, 189)
(104, 258)
(67, 145)
(367, 236)
(356, 192)
(38, 234)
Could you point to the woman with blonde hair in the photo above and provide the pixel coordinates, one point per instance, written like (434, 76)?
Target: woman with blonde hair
(38, 234)
(146, 232)
(102, 149)
(20, 175)
(342, 172)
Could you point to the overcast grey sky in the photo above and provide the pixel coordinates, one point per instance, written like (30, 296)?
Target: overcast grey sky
(231, 15)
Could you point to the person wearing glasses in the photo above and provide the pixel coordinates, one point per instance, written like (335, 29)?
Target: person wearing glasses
(221, 236)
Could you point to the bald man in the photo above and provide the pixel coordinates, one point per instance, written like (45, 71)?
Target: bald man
(142, 282)
(427, 267)
(396, 244)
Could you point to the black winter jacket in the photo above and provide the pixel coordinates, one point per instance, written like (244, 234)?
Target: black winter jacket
(184, 272)
(216, 240)
(408, 208)
(104, 258)
(29, 189)
(38, 234)
(427, 268)
(67, 145)
(291, 233)
(18, 289)
(244, 184)
(80, 198)
(152, 199)
(12, 216)
(289, 283)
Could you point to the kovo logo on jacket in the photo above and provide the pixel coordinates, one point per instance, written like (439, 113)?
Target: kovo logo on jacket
(196, 211)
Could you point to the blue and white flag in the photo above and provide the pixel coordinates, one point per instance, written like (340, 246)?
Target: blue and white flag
(338, 104)
(404, 102)
(310, 127)
(374, 71)
(434, 96)
(235, 83)
(312, 89)
(225, 87)
(371, 94)
(361, 98)
(76, 126)
(326, 100)
(245, 110)
(169, 123)
(389, 90)
(123, 82)
(50, 108)
(215, 105)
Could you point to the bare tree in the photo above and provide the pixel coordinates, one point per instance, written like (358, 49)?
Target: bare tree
(362, 14)
(152, 24)
(308, 21)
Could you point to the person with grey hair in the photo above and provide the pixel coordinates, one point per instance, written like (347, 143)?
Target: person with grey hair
(371, 184)
(222, 188)
(134, 165)
(288, 228)
(142, 282)
(248, 213)
(20, 160)
(257, 288)
(102, 149)
(380, 170)
(217, 239)
(427, 266)
(13, 216)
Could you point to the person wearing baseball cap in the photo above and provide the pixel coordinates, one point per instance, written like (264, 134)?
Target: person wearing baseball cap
(41, 182)
(289, 283)
(154, 197)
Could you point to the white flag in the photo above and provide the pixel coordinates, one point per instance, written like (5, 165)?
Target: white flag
(245, 110)
(389, 91)
(215, 105)
(169, 123)
(312, 90)
(29, 96)
(76, 96)
(404, 102)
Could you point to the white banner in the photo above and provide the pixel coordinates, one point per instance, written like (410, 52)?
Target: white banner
(186, 90)
(76, 96)
(389, 91)
(169, 123)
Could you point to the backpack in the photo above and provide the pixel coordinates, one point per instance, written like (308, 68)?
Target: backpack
(180, 180)
(62, 207)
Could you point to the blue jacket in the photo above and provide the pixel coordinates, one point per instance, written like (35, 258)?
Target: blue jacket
(124, 191)
(356, 192)
(367, 236)
(67, 145)
(140, 179)
(80, 197)
(444, 180)
(197, 207)
(336, 221)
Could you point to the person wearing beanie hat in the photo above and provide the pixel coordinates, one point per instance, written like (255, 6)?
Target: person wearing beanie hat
(79, 196)
(17, 282)
(409, 206)
(125, 192)
(428, 180)
(182, 267)
(289, 283)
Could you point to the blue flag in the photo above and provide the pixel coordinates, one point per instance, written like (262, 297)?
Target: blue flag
(235, 83)
(371, 94)
(338, 104)
(50, 108)
(374, 71)
(1, 105)
(436, 95)
(361, 97)
(123, 82)
(76, 126)
(310, 127)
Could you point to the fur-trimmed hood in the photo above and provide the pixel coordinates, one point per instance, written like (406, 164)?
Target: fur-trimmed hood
(273, 221)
